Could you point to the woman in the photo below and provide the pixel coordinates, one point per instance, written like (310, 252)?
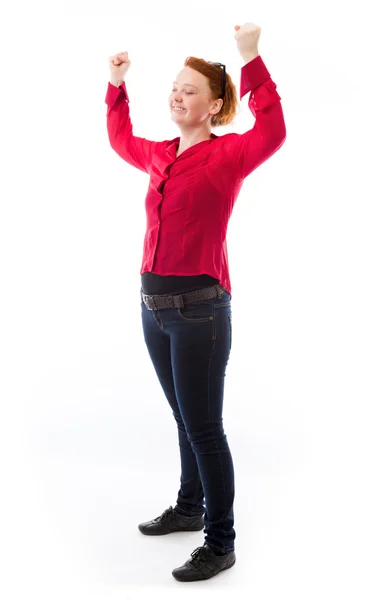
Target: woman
(186, 291)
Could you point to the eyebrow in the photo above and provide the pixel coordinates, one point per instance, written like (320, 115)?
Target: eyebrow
(194, 86)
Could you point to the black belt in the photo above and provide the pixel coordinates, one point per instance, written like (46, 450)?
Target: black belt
(157, 302)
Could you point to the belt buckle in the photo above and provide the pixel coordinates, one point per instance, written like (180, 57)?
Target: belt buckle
(150, 301)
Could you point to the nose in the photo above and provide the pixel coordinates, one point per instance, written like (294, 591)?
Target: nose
(176, 97)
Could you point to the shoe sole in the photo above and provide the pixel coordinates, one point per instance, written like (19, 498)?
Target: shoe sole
(145, 532)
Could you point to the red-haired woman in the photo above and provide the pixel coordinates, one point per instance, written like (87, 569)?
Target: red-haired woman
(185, 285)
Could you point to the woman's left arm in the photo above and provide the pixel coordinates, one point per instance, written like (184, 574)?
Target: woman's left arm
(269, 132)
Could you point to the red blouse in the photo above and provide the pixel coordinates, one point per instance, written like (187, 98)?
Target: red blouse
(190, 198)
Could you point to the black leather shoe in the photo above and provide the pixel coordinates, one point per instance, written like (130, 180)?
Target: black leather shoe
(171, 521)
(204, 564)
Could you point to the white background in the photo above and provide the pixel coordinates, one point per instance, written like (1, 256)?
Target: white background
(88, 442)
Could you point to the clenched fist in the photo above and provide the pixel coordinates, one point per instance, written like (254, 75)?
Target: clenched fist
(119, 65)
(247, 37)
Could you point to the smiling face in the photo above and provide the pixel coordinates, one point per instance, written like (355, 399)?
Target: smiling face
(192, 93)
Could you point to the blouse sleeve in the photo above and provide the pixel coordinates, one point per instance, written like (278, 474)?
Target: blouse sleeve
(134, 150)
(268, 134)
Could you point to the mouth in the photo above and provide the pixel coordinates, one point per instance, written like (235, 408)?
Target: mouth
(178, 109)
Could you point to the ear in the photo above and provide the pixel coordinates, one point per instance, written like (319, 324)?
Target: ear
(218, 105)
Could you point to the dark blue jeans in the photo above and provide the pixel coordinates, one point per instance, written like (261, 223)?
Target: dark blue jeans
(189, 348)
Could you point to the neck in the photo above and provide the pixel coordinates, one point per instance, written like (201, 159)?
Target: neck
(189, 138)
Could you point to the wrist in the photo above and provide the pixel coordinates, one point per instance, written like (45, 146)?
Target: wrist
(248, 56)
(116, 82)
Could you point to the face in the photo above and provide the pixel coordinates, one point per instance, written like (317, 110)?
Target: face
(191, 92)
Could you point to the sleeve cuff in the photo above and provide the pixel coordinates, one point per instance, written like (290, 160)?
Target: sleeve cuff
(253, 74)
(113, 93)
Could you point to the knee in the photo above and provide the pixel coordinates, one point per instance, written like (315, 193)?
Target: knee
(213, 432)
(178, 419)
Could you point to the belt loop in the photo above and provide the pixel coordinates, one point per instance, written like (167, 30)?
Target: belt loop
(178, 301)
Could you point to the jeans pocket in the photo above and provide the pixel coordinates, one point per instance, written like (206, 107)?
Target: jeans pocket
(196, 312)
(230, 330)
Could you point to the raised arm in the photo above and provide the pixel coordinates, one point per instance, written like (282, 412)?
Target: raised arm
(134, 150)
(269, 132)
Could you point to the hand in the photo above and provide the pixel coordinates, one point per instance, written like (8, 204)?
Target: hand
(247, 37)
(119, 65)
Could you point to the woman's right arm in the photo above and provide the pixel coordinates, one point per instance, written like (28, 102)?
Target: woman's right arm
(134, 150)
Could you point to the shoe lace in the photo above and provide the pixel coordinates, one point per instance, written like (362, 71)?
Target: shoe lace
(164, 515)
(198, 555)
